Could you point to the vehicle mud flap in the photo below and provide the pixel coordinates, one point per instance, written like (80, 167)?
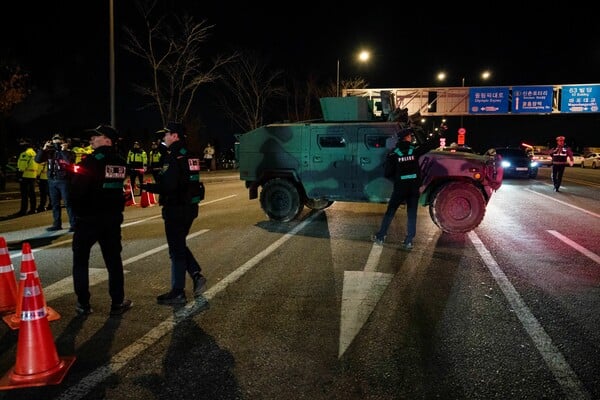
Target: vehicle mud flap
(317, 204)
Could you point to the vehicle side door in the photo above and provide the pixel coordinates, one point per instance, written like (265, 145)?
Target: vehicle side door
(331, 163)
(373, 144)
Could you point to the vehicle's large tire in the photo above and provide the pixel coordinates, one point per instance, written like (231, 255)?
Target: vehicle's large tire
(457, 207)
(317, 204)
(280, 200)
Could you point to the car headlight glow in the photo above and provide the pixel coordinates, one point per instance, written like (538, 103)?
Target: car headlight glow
(505, 164)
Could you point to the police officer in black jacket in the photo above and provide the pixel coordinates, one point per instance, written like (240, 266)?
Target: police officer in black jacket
(180, 191)
(402, 166)
(98, 203)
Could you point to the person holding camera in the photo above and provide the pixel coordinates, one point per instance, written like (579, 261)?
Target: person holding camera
(60, 161)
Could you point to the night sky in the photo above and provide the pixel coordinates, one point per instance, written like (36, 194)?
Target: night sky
(65, 46)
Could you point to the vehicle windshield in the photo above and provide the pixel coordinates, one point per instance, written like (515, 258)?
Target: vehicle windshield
(511, 152)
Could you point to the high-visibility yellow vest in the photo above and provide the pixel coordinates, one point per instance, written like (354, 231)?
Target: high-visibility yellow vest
(43, 170)
(81, 152)
(27, 165)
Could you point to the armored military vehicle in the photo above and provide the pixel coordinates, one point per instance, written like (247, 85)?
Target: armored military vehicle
(340, 158)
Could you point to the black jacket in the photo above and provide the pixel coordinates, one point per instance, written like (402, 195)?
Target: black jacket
(97, 184)
(178, 183)
(402, 163)
(60, 162)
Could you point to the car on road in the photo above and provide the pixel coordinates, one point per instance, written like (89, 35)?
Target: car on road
(517, 163)
(592, 160)
(543, 159)
(577, 159)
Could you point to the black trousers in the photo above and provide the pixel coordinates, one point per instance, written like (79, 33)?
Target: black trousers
(106, 230)
(136, 175)
(557, 174)
(27, 188)
(178, 222)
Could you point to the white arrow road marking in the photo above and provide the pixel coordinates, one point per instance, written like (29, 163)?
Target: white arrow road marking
(360, 294)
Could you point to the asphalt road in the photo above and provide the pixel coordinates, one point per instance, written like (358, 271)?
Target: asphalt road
(311, 309)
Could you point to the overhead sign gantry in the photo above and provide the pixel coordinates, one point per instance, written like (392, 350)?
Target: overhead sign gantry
(489, 100)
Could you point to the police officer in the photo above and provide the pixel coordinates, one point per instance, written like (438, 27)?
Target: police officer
(561, 154)
(79, 150)
(27, 172)
(402, 166)
(97, 200)
(155, 158)
(137, 163)
(42, 180)
(180, 191)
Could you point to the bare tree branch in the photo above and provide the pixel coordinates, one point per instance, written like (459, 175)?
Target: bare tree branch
(173, 53)
(253, 86)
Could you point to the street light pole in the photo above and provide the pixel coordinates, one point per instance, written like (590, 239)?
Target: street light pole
(363, 57)
(113, 118)
(337, 84)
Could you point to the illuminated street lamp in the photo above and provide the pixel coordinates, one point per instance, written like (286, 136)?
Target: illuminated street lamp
(441, 76)
(363, 56)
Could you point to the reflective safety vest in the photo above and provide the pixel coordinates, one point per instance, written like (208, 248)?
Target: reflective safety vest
(406, 163)
(27, 165)
(155, 159)
(137, 159)
(43, 171)
(81, 152)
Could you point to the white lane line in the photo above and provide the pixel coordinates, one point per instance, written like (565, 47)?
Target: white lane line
(124, 225)
(579, 248)
(565, 376)
(118, 361)
(97, 275)
(564, 203)
(65, 285)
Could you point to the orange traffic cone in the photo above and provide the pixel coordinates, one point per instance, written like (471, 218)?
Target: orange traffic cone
(37, 361)
(151, 195)
(128, 192)
(145, 200)
(8, 283)
(27, 268)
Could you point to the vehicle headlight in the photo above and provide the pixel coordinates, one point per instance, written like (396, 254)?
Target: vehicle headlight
(534, 164)
(505, 164)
